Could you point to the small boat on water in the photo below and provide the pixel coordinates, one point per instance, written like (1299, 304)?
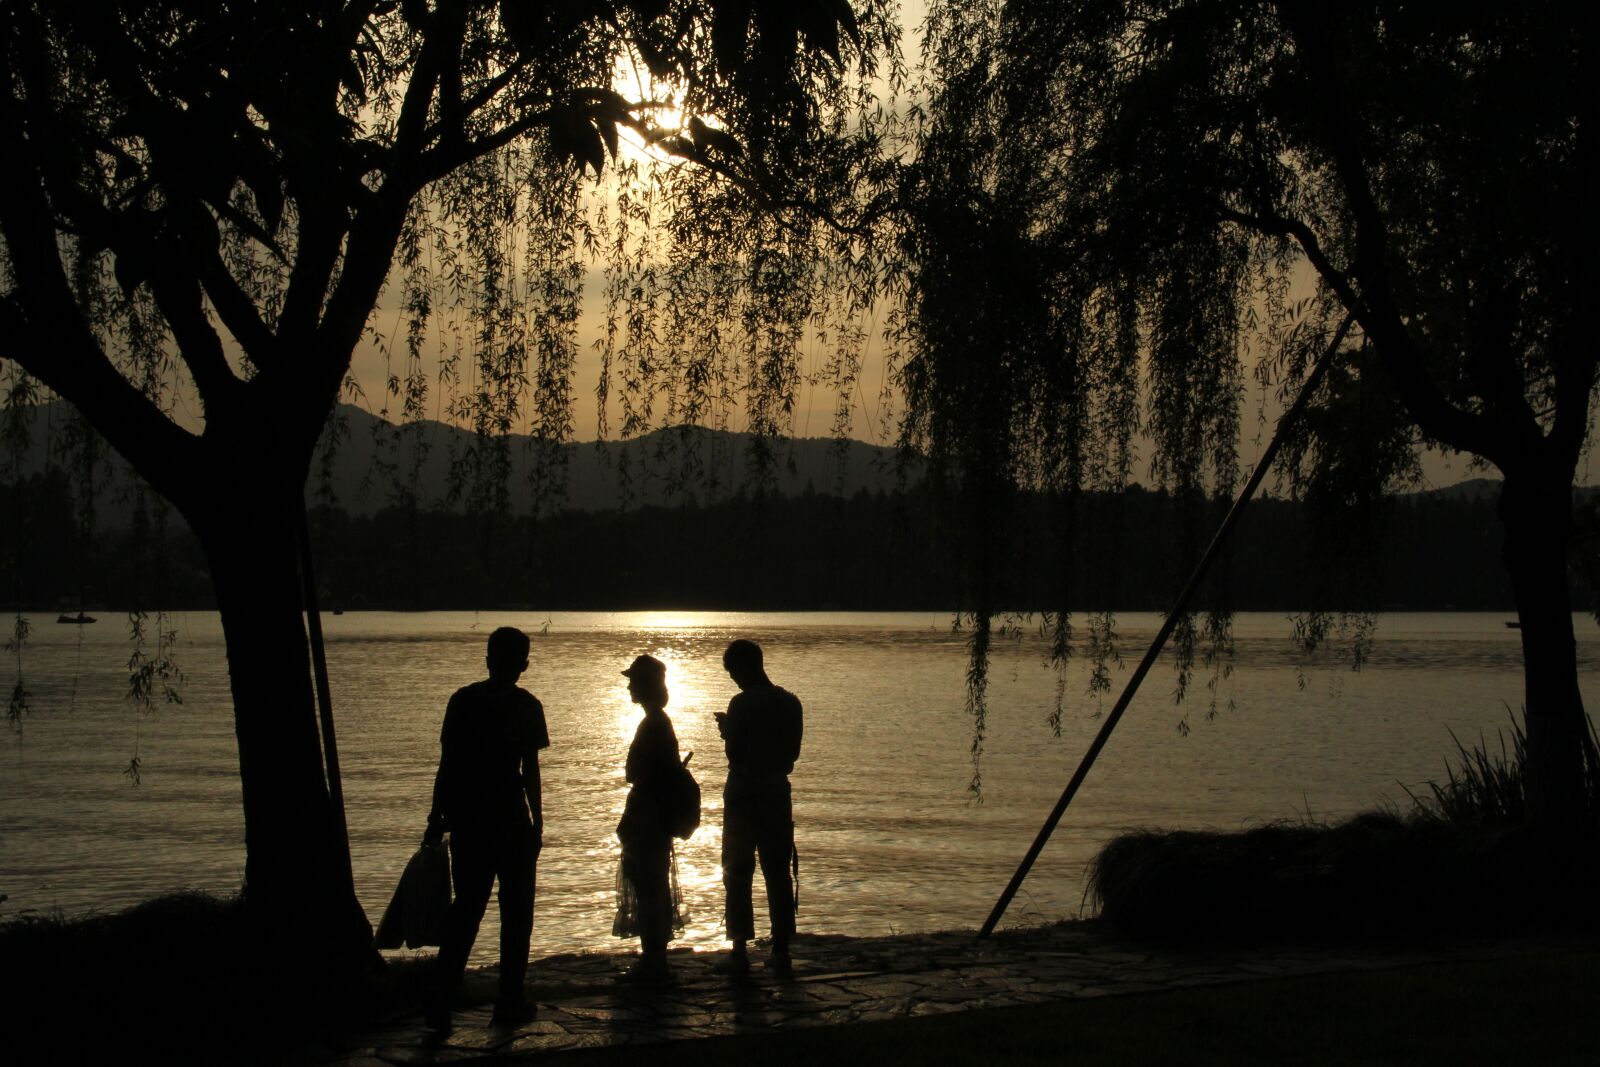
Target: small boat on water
(80, 619)
(1513, 625)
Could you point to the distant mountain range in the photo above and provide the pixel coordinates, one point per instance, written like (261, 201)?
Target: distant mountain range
(366, 463)
(375, 463)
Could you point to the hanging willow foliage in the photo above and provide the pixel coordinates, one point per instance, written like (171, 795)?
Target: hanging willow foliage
(1036, 346)
(717, 261)
(1116, 207)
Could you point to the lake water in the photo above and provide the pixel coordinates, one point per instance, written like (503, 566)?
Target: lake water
(889, 836)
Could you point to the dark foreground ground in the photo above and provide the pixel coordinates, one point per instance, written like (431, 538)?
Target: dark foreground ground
(1070, 993)
(1536, 1009)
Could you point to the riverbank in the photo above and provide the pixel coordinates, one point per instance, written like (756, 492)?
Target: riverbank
(1479, 1011)
(179, 976)
(1037, 995)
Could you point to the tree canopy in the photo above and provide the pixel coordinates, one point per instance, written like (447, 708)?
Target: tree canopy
(203, 203)
(216, 189)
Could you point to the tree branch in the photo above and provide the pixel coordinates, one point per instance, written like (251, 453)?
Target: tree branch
(1492, 364)
(1375, 309)
(411, 129)
(368, 257)
(444, 158)
(490, 89)
(71, 364)
(236, 310)
(177, 294)
(1577, 375)
(43, 330)
(763, 195)
(1273, 225)
(1434, 415)
(318, 233)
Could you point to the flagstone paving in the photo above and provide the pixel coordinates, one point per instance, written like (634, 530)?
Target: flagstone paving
(841, 980)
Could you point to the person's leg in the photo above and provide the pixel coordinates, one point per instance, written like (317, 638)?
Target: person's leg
(647, 868)
(738, 883)
(517, 879)
(775, 845)
(472, 864)
(738, 870)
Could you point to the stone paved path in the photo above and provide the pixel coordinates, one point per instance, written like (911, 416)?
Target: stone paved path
(843, 980)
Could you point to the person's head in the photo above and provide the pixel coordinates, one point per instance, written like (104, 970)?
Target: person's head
(647, 682)
(742, 661)
(508, 654)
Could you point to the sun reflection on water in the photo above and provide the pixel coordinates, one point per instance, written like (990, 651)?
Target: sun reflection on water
(672, 620)
(684, 693)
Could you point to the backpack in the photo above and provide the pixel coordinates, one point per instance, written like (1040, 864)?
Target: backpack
(681, 801)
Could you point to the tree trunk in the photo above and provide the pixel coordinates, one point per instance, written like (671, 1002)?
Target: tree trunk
(1536, 512)
(297, 873)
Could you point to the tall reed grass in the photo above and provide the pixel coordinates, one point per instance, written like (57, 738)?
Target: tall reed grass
(1484, 786)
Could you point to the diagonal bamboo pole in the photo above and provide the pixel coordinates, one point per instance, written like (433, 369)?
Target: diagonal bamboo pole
(1167, 625)
(319, 666)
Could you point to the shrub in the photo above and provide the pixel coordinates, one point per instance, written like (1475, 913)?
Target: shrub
(186, 967)
(1463, 859)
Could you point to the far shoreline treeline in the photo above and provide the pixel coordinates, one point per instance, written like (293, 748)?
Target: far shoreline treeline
(870, 550)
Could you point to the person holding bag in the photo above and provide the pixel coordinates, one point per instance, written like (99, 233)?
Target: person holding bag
(487, 794)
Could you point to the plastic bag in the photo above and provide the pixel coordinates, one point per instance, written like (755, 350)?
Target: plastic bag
(416, 913)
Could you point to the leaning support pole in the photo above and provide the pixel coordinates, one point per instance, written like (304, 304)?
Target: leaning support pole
(319, 667)
(1178, 608)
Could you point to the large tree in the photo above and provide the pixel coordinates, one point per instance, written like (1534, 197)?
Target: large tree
(201, 206)
(1113, 200)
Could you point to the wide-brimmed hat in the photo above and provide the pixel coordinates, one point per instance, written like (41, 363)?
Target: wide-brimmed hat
(646, 667)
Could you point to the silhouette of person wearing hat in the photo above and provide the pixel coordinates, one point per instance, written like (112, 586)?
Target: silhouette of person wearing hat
(487, 795)
(647, 898)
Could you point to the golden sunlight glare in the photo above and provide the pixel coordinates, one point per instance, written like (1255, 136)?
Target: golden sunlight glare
(658, 110)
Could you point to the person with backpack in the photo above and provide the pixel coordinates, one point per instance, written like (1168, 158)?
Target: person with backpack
(648, 902)
(761, 732)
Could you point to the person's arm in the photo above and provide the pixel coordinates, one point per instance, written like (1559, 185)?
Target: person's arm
(796, 729)
(441, 778)
(631, 768)
(733, 727)
(532, 785)
(538, 737)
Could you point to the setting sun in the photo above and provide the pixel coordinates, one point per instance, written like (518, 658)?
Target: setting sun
(658, 109)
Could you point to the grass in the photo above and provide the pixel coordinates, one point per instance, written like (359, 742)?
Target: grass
(1521, 1009)
(1484, 787)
